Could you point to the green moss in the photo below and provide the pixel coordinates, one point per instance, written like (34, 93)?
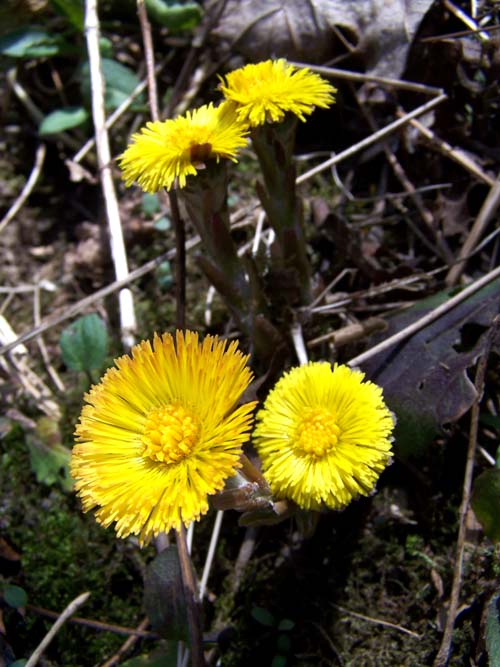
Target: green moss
(63, 554)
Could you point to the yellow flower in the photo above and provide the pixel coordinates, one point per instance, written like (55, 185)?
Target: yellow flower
(323, 435)
(161, 432)
(164, 153)
(265, 92)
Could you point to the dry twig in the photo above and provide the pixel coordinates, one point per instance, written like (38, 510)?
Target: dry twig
(118, 252)
(444, 650)
(66, 613)
(27, 189)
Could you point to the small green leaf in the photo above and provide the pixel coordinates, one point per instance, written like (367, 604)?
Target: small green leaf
(278, 661)
(263, 616)
(160, 658)
(163, 224)
(164, 275)
(34, 42)
(486, 502)
(19, 663)
(49, 457)
(72, 10)
(150, 204)
(175, 16)
(84, 344)
(285, 625)
(63, 119)
(164, 599)
(493, 631)
(120, 82)
(15, 596)
(490, 420)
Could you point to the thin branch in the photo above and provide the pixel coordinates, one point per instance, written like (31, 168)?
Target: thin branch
(347, 75)
(27, 189)
(118, 252)
(488, 210)
(378, 621)
(211, 552)
(190, 589)
(69, 611)
(427, 319)
(179, 229)
(372, 139)
(444, 650)
(127, 644)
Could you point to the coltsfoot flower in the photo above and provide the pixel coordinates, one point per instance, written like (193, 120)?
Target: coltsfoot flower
(266, 91)
(161, 432)
(323, 435)
(164, 153)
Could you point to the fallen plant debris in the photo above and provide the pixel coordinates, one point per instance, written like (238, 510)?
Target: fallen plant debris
(316, 252)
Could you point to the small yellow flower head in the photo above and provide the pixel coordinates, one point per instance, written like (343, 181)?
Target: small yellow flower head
(265, 92)
(164, 153)
(161, 432)
(323, 435)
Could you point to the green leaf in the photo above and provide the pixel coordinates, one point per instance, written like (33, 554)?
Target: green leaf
(34, 42)
(120, 83)
(286, 624)
(493, 631)
(72, 10)
(164, 599)
(150, 204)
(15, 596)
(63, 119)
(49, 457)
(490, 420)
(174, 15)
(278, 661)
(84, 344)
(19, 663)
(164, 275)
(163, 224)
(263, 616)
(486, 502)
(160, 658)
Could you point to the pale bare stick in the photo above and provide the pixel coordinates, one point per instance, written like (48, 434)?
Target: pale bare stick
(118, 252)
(27, 189)
(454, 154)
(427, 319)
(41, 343)
(465, 18)
(298, 343)
(442, 656)
(372, 139)
(348, 75)
(488, 210)
(69, 611)
(211, 552)
(378, 621)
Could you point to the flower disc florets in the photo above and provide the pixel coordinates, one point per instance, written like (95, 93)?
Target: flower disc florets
(164, 153)
(323, 435)
(162, 432)
(268, 90)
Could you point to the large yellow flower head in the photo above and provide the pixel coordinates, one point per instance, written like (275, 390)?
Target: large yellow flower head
(324, 435)
(161, 432)
(164, 153)
(265, 92)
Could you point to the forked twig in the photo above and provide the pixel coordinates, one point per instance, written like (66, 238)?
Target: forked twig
(66, 613)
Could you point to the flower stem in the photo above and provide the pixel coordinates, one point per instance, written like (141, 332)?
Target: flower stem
(190, 591)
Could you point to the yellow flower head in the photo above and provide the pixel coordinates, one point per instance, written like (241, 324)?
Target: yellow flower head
(265, 92)
(161, 432)
(323, 435)
(164, 153)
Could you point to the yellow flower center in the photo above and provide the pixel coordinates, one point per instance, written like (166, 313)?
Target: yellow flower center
(170, 434)
(316, 433)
